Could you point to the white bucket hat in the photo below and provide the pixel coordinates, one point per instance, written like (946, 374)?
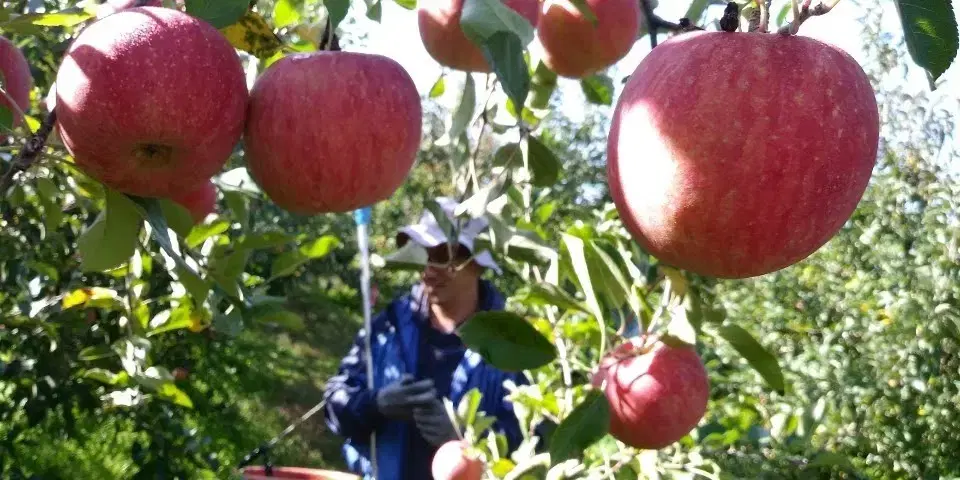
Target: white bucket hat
(428, 233)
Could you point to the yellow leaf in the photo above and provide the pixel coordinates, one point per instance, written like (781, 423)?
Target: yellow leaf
(82, 296)
(253, 34)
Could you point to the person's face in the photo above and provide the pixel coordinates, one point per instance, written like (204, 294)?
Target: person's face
(447, 275)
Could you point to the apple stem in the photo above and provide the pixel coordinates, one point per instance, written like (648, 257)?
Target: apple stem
(29, 153)
(760, 18)
(802, 14)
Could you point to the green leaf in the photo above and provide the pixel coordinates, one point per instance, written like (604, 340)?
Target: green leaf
(320, 247)
(549, 294)
(374, 10)
(469, 405)
(285, 13)
(202, 232)
(606, 275)
(508, 156)
(441, 218)
(6, 118)
(179, 319)
(219, 13)
(96, 353)
(284, 318)
(756, 355)
(598, 89)
(507, 341)
(504, 53)
(438, 87)
(930, 30)
(476, 205)
(781, 17)
(112, 238)
(587, 423)
(226, 269)
(481, 19)
(177, 216)
(575, 249)
(544, 165)
(103, 376)
(407, 4)
(27, 23)
(171, 393)
(543, 84)
(287, 263)
(237, 203)
(265, 240)
(338, 11)
(411, 256)
(464, 111)
(696, 9)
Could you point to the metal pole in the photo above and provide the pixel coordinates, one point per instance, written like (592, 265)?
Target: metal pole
(362, 218)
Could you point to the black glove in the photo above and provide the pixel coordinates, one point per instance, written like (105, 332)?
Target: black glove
(434, 423)
(397, 400)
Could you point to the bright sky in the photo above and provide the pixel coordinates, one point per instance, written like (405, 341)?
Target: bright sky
(398, 37)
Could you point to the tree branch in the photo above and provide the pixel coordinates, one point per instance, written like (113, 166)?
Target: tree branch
(803, 13)
(29, 153)
(654, 23)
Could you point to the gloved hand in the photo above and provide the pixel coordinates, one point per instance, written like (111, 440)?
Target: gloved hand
(397, 400)
(434, 423)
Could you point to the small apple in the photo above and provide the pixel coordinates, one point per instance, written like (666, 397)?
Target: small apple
(17, 81)
(452, 461)
(657, 393)
(151, 101)
(576, 47)
(444, 39)
(332, 131)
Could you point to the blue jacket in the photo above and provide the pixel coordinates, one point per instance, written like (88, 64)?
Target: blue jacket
(350, 408)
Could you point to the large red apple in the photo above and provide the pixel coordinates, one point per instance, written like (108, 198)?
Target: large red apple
(199, 201)
(332, 131)
(452, 462)
(444, 40)
(657, 393)
(17, 80)
(738, 154)
(575, 47)
(151, 101)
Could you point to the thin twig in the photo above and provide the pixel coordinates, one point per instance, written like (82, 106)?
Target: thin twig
(14, 106)
(803, 13)
(29, 153)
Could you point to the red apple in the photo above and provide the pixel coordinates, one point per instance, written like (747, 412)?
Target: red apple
(575, 47)
(180, 373)
(733, 168)
(200, 201)
(17, 81)
(151, 101)
(452, 462)
(657, 394)
(113, 6)
(442, 36)
(332, 131)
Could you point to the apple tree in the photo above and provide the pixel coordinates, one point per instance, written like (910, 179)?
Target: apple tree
(736, 149)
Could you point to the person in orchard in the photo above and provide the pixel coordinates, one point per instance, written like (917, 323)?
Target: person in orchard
(418, 360)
